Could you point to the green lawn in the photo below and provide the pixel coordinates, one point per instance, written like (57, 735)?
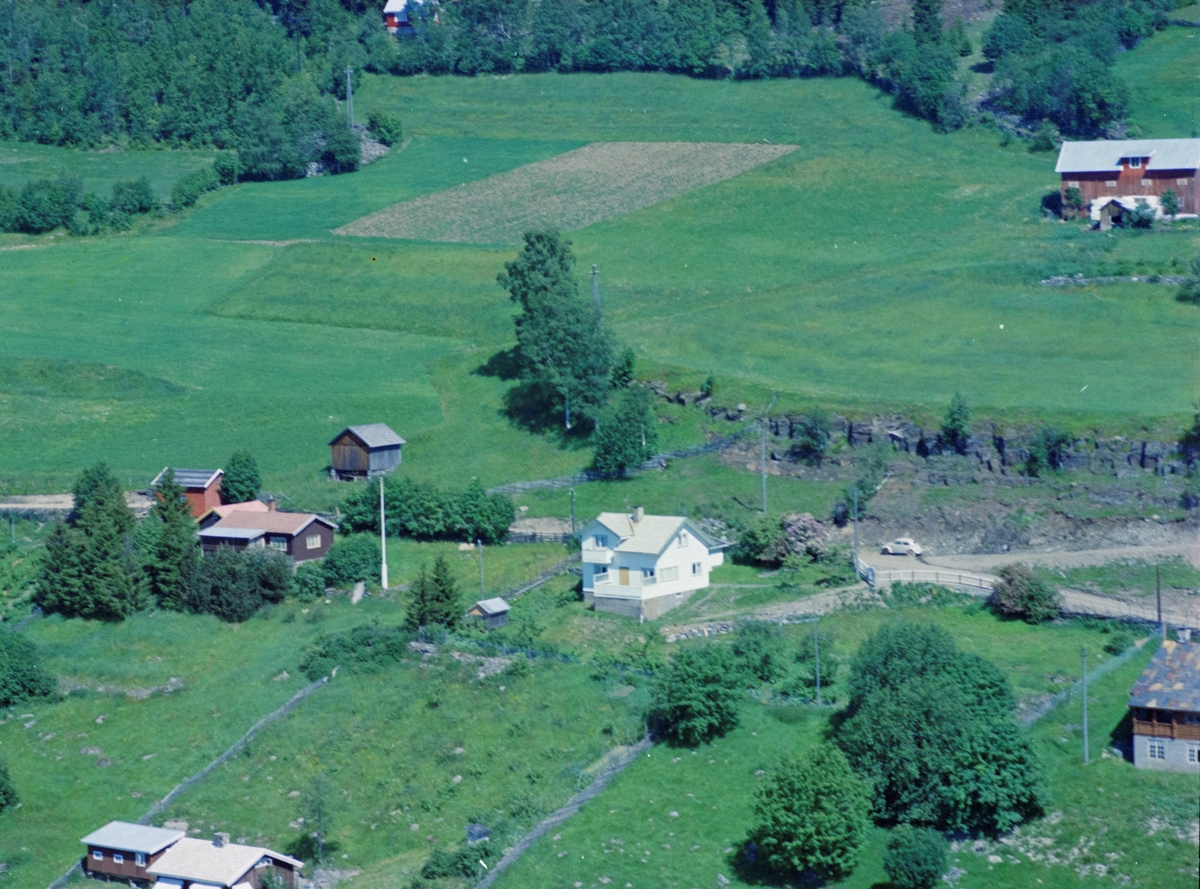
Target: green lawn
(1131, 577)
(1163, 74)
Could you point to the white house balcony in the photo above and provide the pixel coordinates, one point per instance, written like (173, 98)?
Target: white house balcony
(632, 580)
(597, 556)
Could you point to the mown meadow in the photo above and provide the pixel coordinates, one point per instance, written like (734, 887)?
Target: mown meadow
(880, 265)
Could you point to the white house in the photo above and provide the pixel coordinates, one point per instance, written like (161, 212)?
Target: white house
(644, 565)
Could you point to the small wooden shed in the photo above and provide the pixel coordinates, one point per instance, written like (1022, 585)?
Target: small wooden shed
(201, 487)
(493, 613)
(365, 451)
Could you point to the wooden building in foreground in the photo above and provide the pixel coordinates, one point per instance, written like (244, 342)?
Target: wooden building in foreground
(1124, 168)
(365, 451)
(123, 851)
(1166, 709)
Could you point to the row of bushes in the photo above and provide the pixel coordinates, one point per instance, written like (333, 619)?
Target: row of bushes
(43, 205)
(424, 511)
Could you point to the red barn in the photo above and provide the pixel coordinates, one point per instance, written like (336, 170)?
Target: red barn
(202, 487)
(1132, 168)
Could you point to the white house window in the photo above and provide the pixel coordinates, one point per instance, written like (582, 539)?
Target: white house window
(600, 574)
(278, 541)
(601, 541)
(683, 538)
(265, 862)
(1072, 185)
(1193, 754)
(1111, 183)
(1157, 750)
(697, 569)
(118, 858)
(669, 574)
(647, 572)
(313, 541)
(139, 859)
(1145, 183)
(1181, 182)
(1135, 162)
(97, 855)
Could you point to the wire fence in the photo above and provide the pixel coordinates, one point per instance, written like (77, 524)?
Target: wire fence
(658, 461)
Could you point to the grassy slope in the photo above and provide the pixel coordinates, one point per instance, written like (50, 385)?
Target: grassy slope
(1107, 803)
(1163, 76)
(765, 281)
(21, 162)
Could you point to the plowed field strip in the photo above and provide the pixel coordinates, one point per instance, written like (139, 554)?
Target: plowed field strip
(571, 191)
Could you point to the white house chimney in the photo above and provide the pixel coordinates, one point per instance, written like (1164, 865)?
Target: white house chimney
(639, 513)
(220, 839)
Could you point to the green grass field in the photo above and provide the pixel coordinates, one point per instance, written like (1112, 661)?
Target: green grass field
(21, 162)
(872, 268)
(1164, 78)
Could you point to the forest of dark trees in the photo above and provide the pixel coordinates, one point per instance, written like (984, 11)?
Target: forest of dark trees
(262, 76)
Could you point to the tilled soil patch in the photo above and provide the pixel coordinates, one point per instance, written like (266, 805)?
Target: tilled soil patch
(571, 191)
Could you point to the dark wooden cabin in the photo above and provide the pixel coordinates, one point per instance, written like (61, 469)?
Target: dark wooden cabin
(365, 451)
(123, 851)
(302, 535)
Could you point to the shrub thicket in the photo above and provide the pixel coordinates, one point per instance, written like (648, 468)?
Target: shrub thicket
(21, 676)
(8, 793)
(697, 696)
(188, 189)
(365, 649)
(1021, 593)
(426, 512)
(915, 858)
(628, 433)
(234, 585)
(241, 481)
(385, 126)
(812, 815)
(969, 768)
(354, 559)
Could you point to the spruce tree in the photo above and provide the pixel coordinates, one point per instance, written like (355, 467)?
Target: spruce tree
(8, 793)
(171, 568)
(445, 606)
(241, 481)
(420, 595)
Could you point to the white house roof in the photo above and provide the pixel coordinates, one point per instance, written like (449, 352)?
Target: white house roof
(395, 5)
(1105, 155)
(129, 837)
(652, 533)
(202, 861)
(492, 606)
(373, 435)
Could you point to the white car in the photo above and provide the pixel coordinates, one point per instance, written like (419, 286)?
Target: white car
(901, 546)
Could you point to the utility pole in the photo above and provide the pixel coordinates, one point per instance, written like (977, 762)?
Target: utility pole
(817, 654)
(762, 430)
(383, 578)
(1083, 655)
(1162, 627)
(349, 97)
(572, 512)
(595, 287)
(479, 543)
(856, 531)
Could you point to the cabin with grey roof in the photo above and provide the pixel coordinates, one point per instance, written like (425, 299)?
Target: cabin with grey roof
(1132, 168)
(365, 451)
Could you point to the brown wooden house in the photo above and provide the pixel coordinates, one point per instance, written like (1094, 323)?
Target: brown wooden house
(301, 535)
(365, 451)
(201, 487)
(220, 864)
(1145, 168)
(123, 851)
(1165, 705)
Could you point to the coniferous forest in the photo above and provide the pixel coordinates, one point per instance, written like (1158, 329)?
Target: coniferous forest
(261, 76)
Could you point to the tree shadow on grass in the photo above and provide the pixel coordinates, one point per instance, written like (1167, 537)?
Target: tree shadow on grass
(504, 365)
(1052, 203)
(752, 869)
(1121, 737)
(305, 848)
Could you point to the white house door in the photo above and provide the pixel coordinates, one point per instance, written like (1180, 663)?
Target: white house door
(624, 577)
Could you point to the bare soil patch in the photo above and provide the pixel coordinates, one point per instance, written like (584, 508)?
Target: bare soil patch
(570, 191)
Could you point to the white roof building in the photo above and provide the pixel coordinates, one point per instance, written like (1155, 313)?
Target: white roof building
(217, 863)
(644, 565)
(1111, 155)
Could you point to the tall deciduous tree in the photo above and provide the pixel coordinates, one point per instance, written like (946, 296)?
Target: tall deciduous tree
(931, 730)
(697, 696)
(171, 568)
(628, 433)
(560, 337)
(21, 676)
(812, 816)
(241, 481)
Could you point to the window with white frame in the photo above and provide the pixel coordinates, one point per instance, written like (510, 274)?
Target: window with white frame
(1135, 162)
(647, 573)
(601, 541)
(668, 574)
(1156, 750)
(697, 569)
(312, 541)
(600, 575)
(118, 858)
(279, 542)
(139, 859)
(1193, 754)
(683, 538)
(98, 854)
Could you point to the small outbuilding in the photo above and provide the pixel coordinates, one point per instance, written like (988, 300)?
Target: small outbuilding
(493, 613)
(395, 16)
(201, 487)
(365, 451)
